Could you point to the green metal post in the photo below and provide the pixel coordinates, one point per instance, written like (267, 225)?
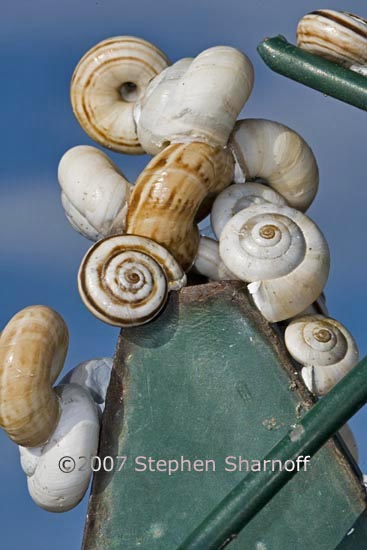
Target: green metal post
(325, 418)
(314, 71)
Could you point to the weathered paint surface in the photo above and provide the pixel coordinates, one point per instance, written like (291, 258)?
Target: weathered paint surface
(210, 379)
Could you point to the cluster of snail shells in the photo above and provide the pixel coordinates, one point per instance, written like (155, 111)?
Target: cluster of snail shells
(338, 36)
(50, 423)
(127, 97)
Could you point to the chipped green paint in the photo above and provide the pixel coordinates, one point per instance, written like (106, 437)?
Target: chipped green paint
(206, 380)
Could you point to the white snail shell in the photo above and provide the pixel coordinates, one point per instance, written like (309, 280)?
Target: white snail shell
(124, 280)
(276, 155)
(106, 84)
(94, 376)
(361, 69)
(237, 197)
(200, 105)
(338, 36)
(33, 347)
(95, 194)
(282, 253)
(324, 347)
(208, 261)
(76, 436)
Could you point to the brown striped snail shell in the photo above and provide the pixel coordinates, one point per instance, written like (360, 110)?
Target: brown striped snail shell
(324, 347)
(195, 100)
(33, 347)
(124, 280)
(338, 36)
(106, 84)
(272, 153)
(95, 194)
(169, 192)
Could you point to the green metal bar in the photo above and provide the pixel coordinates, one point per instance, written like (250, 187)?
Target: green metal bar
(325, 418)
(314, 71)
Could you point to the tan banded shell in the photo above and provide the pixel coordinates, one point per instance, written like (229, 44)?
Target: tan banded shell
(33, 347)
(106, 84)
(124, 280)
(169, 192)
(338, 36)
(271, 153)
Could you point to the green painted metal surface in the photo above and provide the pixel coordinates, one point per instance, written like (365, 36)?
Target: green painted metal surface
(250, 496)
(314, 71)
(206, 380)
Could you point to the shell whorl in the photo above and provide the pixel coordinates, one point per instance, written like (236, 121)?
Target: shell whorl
(236, 197)
(124, 280)
(106, 84)
(33, 347)
(340, 37)
(169, 192)
(282, 253)
(95, 194)
(51, 485)
(274, 154)
(196, 100)
(324, 347)
(208, 261)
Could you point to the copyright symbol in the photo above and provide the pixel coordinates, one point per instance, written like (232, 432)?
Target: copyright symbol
(67, 464)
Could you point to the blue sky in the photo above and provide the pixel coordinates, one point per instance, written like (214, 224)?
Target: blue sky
(41, 41)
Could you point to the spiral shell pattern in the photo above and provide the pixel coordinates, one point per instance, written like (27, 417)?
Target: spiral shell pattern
(169, 192)
(340, 37)
(282, 253)
(324, 347)
(237, 197)
(33, 347)
(274, 154)
(124, 280)
(106, 84)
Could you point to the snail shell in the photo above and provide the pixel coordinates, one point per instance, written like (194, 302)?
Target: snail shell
(208, 261)
(33, 347)
(55, 483)
(276, 155)
(324, 347)
(196, 100)
(106, 84)
(282, 253)
(124, 279)
(169, 192)
(340, 37)
(95, 193)
(237, 197)
(94, 376)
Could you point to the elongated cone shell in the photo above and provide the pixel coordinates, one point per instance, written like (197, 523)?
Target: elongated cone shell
(274, 154)
(106, 84)
(338, 36)
(33, 347)
(95, 194)
(169, 192)
(197, 101)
